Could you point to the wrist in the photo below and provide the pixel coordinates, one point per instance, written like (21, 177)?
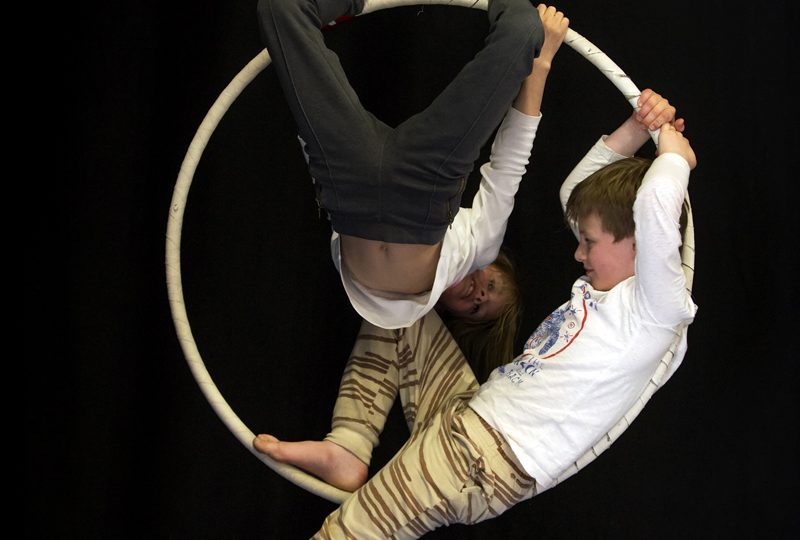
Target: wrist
(633, 124)
(542, 65)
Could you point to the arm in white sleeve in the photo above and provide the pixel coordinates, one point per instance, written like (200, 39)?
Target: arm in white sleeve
(660, 280)
(595, 159)
(501, 176)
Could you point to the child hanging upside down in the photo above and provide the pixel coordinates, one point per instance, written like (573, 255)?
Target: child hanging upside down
(400, 241)
(474, 451)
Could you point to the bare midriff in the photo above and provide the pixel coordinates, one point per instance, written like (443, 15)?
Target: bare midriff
(389, 267)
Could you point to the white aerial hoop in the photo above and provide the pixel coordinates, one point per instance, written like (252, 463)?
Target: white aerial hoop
(173, 268)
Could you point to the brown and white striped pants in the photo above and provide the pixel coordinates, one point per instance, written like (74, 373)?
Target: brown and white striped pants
(453, 469)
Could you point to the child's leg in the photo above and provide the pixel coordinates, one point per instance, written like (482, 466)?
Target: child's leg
(342, 138)
(422, 363)
(324, 459)
(454, 469)
(450, 132)
(442, 143)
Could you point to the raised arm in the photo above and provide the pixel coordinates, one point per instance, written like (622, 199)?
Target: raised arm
(654, 112)
(487, 219)
(660, 280)
(671, 141)
(555, 24)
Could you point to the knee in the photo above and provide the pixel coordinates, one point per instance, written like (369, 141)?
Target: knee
(263, 8)
(527, 24)
(519, 21)
(272, 10)
(267, 8)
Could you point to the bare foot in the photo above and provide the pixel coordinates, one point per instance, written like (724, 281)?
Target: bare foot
(324, 459)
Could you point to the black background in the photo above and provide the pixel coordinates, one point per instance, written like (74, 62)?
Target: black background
(120, 442)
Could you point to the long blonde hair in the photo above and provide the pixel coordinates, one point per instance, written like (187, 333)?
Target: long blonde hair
(490, 343)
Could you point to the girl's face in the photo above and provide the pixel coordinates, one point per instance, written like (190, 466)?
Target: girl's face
(606, 262)
(480, 296)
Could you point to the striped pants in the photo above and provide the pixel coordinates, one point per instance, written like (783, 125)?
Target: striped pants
(454, 468)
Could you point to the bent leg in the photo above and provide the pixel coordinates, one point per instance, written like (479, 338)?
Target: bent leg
(443, 142)
(422, 364)
(340, 135)
(454, 469)
(433, 370)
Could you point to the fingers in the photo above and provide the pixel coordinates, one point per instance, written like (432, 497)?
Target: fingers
(552, 18)
(555, 26)
(666, 128)
(654, 110)
(645, 95)
(546, 11)
(670, 139)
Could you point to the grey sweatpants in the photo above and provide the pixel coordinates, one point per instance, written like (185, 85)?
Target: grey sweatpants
(404, 184)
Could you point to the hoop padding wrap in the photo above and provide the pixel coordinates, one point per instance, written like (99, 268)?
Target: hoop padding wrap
(173, 268)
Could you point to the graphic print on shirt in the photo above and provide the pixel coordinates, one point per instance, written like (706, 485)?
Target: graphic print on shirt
(559, 328)
(548, 331)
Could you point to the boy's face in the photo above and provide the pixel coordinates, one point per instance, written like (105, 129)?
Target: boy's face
(480, 296)
(605, 261)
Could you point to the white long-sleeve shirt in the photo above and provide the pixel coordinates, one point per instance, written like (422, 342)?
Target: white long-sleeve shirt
(472, 241)
(589, 361)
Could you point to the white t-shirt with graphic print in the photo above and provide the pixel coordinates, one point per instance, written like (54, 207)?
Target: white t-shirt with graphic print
(589, 361)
